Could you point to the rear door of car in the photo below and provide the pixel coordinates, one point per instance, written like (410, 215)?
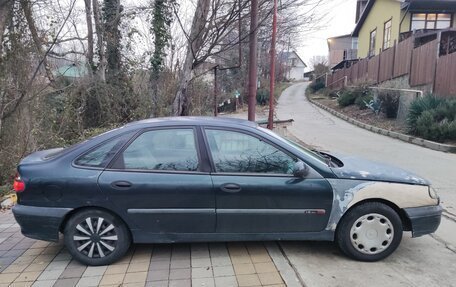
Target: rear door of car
(256, 191)
(159, 182)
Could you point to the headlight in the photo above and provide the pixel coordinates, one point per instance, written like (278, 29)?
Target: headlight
(433, 194)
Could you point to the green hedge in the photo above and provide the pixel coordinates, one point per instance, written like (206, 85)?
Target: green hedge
(433, 118)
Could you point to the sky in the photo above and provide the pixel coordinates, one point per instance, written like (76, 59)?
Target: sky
(339, 21)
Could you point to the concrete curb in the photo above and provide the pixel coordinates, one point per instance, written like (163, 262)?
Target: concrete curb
(286, 270)
(406, 138)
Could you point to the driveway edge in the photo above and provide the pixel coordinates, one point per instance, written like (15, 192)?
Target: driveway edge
(403, 137)
(289, 274)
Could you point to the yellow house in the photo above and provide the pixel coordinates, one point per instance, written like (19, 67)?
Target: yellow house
(382, 22)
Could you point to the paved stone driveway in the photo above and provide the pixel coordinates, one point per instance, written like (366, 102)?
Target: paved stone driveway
(28, 262)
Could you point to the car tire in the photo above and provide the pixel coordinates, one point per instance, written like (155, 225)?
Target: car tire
(95, 237)
(369, 232)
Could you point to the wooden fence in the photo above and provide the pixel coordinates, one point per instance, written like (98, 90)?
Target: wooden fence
(445, 80)
(422, 64)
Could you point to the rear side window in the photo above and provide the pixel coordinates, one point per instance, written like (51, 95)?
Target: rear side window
(102, 155)
(171, 149)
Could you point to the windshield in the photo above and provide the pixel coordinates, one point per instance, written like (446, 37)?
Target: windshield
(302, 149)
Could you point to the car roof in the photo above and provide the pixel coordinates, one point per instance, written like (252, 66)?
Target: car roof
(213, 121)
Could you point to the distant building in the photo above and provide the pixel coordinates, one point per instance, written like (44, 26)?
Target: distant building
(292, 65)
(383, 22)
(342, 48)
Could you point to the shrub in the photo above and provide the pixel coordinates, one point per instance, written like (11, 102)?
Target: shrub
(316, 86)
(362, 101)
(347, 98)
(418, 106)
(262, 97)
(390, 103)
(433, 118)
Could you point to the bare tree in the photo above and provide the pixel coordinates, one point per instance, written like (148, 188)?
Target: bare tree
(195, 41)
(88, 13)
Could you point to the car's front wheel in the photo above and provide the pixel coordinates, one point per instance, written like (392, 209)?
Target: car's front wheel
(96, 237)
(369, 232)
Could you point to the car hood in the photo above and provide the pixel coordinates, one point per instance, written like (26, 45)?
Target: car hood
(362, 169)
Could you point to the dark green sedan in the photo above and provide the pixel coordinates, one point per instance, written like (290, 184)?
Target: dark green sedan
(214, 179)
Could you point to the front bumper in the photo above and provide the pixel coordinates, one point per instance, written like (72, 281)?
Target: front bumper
(424, 220)
(41, 223)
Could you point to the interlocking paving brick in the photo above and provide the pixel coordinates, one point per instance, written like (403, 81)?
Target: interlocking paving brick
(73, 272)
(89, 281)
(94, 271)
(15, 268)
(50, 274)
(159, 265)
(135, 277)
(138, 267)
(227, 281)
(24, 260)
(116, 269)
(201, 262)
(220, 271)
(112, 279)
(44, 283)
(244, 268)
(202, 272)
(8, 278)
(180, 263)
(270, 278)
(158, 275)
(180, 283)
(67, 282)
(265, 267)
(157, 283)
(28, 276)
(176, 274)
(203, 282)
(248, 280)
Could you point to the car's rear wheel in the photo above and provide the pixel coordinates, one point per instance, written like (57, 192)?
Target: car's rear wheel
(369, 232)
(96, 237)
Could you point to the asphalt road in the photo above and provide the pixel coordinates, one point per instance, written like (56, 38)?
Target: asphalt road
(424, 261)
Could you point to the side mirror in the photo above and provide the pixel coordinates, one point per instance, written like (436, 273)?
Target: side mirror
(300, 169)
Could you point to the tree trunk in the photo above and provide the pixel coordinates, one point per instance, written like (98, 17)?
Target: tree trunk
(112, 10)
(182, 99)
(5, 12)
(88, 12)
(25, 4)
(101, 69)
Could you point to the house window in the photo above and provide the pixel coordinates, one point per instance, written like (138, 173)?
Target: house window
(431, 21)
(373, 36)
(387, 35)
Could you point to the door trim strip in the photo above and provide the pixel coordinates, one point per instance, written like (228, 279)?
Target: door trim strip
(272, 211)
(171, 211)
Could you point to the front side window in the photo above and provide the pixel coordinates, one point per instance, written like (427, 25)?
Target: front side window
(102, 155)
(237, 152)
(431, 21)
(172, 149)
(387, 35)
(373, 36)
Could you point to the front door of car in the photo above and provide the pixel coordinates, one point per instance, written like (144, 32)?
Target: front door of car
(256, 191)
(158, 183)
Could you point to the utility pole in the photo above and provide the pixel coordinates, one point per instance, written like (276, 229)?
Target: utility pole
(272, 67)
(215, 92)
(253, 42)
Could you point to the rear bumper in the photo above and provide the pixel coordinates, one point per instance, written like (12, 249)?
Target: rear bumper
(41, 223)
(424, 220)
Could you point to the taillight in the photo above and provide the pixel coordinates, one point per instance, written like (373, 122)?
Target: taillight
(18, 185)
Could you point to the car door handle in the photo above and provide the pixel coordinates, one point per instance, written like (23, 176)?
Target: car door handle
(230, 187)
(121, 184)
